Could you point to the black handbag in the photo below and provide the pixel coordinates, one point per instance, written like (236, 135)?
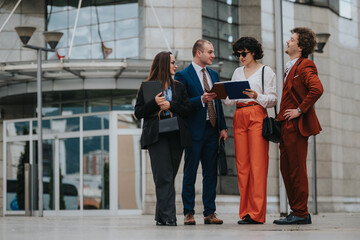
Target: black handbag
(170, 124)
(271, 130)
(222, 158)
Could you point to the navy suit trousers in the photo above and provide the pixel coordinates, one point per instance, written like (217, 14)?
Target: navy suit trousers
(204, 151)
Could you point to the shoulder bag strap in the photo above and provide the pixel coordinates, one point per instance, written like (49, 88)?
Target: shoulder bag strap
(262, 79)
(262, 82)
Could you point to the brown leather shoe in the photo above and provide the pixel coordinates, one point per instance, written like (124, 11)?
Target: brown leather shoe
(212, 219)
(189, 219)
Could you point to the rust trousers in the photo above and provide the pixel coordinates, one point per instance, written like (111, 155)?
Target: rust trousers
(252, 160)
(293, 151)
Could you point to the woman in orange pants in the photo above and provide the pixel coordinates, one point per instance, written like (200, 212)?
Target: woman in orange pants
(251, 149)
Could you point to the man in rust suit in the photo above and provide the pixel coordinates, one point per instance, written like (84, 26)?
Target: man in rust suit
(302, 88)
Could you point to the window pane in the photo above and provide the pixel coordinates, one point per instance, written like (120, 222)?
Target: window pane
(209, 8)
(127, 28)
(58, 5)
(334, 5)
(123, 103)
(52, 110)
(101, 14)
(127, 48)
(96, 172)
(228, 13)
(57, 21)
(100, 105)
(81, 52)
(70, 173)
(72, 108)
(17, 156)
(345, 8)
(228, 69)
(82, 36)
(230, 2)
(48, 174)
(17, 128)
(226, 51)
(104, 32)
(210, 28)
(84, 17)
(228, 32)
(107, 22)
(97, 122)
(65, 125)
(124, 11)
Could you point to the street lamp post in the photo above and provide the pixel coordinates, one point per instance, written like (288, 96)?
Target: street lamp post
(52, 38)
(321, 41)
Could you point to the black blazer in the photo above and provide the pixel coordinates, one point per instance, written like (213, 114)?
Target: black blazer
(180, 105)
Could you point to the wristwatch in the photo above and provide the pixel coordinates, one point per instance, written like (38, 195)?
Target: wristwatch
(299, 110)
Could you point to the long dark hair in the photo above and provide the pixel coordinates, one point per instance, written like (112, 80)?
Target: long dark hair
(160, 69)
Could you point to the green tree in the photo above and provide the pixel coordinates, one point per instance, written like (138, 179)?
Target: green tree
(106, 186)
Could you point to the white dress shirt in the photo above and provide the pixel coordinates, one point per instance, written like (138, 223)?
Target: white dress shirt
(266, 100)
(200, 75)
(289, 66)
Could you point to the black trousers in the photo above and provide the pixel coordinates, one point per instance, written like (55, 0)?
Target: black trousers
(165, 157)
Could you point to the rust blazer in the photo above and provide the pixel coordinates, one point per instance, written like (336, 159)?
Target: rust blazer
(304, 88)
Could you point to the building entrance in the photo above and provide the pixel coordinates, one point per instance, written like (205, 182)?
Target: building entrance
(91, 164)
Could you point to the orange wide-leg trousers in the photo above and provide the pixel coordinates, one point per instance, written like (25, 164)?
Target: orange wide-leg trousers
(252, 161)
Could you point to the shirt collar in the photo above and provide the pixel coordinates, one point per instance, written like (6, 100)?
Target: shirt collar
(291, 63)
(197, 67)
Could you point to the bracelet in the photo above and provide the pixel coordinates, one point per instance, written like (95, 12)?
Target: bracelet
(299, 110)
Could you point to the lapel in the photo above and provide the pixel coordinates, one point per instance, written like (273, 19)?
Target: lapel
(290, 78)
(214, 79)
(195, 78)
(212, 75)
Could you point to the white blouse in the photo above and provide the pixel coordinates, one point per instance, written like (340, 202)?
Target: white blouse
(266, 100)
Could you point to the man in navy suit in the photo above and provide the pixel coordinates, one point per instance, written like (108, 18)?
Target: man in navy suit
(207, 125)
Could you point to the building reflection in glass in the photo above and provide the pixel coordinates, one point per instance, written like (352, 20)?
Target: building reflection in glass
(105, 24)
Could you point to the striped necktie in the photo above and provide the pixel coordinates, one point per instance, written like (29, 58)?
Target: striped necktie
(210, 105)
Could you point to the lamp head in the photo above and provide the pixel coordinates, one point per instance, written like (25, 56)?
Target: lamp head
(52, 38)
(321, 41)
(25, 33)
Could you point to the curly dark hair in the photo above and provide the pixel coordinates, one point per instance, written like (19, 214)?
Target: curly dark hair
(306, 40)
(249, 43)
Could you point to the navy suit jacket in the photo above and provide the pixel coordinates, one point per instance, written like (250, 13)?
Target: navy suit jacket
(197, 119)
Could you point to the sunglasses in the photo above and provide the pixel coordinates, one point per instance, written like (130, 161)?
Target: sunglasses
(243, 54)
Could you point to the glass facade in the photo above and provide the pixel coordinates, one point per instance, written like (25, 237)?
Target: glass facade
(76, 162)
(105, 28)
(220, 21)
(68, 103)
(340, 7)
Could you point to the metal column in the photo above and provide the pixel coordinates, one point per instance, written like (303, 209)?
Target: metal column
(279, 48)
(39, 133)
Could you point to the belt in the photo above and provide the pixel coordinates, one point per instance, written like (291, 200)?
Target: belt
(250, 105)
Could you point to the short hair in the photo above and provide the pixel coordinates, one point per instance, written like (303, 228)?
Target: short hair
(249, 43)
(199, 45)
(306, 40)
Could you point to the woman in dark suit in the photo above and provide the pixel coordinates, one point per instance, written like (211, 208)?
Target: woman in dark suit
(165, 149)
